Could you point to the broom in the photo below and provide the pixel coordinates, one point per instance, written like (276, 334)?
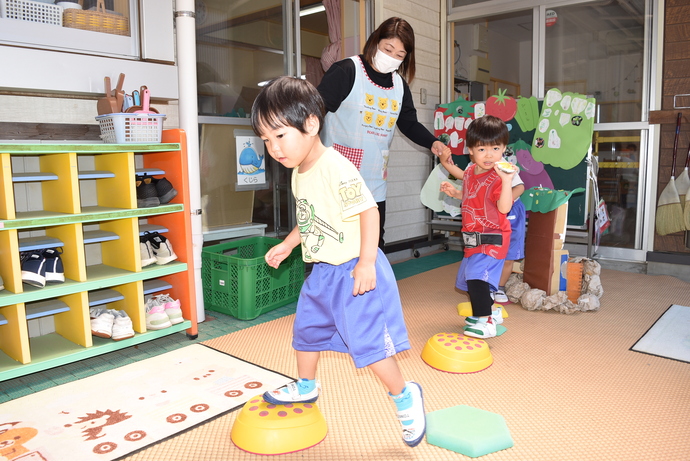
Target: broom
(669, 211)
(686, 205)
(683, 183)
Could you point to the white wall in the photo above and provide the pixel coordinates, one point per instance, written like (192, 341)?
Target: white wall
(409, 164)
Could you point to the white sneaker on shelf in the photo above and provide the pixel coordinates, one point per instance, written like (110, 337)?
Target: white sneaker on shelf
(172, 308)
(147, 256)
(161, 247)
(122, 326)
(101, 322)
(156, 318)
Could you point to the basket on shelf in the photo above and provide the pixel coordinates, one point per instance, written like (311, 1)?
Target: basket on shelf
(26, 10)
(96, 20)
(124, 128)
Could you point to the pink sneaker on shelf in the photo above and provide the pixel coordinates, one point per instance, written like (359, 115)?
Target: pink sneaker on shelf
(172, 308)
(156, 318)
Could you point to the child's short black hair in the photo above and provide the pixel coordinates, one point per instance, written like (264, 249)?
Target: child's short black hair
(286, 101)
(487, 130)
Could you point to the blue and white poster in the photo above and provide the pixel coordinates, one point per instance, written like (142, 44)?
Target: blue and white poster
(251, 162)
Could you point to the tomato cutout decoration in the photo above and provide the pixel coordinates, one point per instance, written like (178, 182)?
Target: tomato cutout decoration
(501, 106)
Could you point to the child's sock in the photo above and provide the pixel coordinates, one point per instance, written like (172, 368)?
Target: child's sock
(305, 386)
(482, 319)
(403, 401)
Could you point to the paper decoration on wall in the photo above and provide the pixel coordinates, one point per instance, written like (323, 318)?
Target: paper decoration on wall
(251, 167)
(501, 106)
(564, 131)
(532, 171)
(527, 115)
(432, 197)
(543, 200)
(451, 121)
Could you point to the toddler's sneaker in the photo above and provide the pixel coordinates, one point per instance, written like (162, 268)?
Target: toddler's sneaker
(147, 195)
(410, 406)
(101, 322)
(302, 391)
(34, 268)
(55, 271)
(496, 314)
(156, 318)
(172, 308)
(501, 297)
(481, 330)
(122, 326)
(161, 247)
(165, 190)
(146, 251)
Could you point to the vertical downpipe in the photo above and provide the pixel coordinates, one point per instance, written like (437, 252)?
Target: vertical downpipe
(189, 121)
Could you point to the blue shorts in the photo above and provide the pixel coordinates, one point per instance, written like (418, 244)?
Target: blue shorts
(516, 216)
(369, 327)
(479, 267)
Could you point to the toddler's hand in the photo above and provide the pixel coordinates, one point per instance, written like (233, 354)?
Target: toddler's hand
(277, 255)
(450, 190)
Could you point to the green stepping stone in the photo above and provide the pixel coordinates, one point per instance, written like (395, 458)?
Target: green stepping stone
(468, 431)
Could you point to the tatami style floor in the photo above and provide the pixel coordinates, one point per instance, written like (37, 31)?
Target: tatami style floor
(568, 386)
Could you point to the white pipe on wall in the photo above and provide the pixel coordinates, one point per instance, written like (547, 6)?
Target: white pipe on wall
(189, 121)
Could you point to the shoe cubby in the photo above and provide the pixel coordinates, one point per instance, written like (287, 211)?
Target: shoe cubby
(81, 198)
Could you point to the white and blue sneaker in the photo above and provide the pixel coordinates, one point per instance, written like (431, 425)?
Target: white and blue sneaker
(410, 406)
(34, 268)
(302, 391)
(55, 270)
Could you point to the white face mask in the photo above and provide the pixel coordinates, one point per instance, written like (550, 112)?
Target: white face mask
(385, 63)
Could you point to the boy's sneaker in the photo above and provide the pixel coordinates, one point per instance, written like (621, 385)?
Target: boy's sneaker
(295, 392)
(410, 405)
(165, 190)
(122, 325)
(34, 268)
(156, 318)
(481, 330)
(172, 308)
(496, 315)
(146, 250)
(101, 322)
(161, 247)
(501, 297)
(55, 271)
(147, 195)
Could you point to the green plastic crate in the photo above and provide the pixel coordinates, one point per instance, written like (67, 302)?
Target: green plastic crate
(237, 281)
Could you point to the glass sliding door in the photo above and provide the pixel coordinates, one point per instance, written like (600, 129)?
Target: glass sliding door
(493, 53)
(598, 49)
(241, 46)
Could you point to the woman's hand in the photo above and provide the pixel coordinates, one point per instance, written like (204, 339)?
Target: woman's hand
(439, 148)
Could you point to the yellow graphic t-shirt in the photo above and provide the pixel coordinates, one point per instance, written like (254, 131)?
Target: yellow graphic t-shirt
(329, 198)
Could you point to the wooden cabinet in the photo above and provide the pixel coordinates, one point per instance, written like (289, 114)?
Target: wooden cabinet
(110, 229)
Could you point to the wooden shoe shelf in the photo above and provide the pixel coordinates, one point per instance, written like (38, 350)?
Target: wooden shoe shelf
(110, 229)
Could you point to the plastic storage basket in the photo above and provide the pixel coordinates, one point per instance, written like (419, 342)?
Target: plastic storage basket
(26, 10)
(132, 128)
(237, 281)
